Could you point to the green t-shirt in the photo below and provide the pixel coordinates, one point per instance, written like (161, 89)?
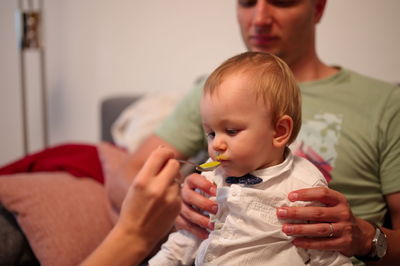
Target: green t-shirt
(350, 131)
(183, 128)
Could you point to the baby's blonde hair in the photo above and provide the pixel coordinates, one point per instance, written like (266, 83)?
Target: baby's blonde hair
(272, 81)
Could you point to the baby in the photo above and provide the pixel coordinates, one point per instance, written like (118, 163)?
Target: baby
(251, 112)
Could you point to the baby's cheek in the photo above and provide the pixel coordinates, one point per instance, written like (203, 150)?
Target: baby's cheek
(244, 157)
(211, 152)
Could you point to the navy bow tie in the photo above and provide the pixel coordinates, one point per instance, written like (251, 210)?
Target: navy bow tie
(247, 179)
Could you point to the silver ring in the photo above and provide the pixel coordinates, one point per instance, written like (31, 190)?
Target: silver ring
(332, 230)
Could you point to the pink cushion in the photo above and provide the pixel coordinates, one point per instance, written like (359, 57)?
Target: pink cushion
(64, 218)
(116, 171)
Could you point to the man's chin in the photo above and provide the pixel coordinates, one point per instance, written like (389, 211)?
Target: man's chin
(265, 50)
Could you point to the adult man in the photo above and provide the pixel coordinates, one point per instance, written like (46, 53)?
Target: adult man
(354, 145)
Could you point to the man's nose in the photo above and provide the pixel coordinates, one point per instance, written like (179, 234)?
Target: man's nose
(262, 13)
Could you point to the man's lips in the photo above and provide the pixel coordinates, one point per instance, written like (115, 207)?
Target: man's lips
(263, 40)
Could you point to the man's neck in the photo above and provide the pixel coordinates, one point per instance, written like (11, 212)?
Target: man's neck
(312, 70)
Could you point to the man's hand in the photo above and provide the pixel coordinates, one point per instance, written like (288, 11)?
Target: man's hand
(191, 217)
(351, 235)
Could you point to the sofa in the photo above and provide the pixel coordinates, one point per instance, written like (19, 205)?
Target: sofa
(55, 218)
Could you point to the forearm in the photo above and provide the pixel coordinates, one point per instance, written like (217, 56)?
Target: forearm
(392, 256)
(118, 248)
(365, 242)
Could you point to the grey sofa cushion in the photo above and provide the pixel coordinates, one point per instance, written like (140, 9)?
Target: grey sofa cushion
(14, 247)
(111, 108)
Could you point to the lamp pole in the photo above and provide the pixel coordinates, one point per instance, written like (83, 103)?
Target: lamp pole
(30, 35)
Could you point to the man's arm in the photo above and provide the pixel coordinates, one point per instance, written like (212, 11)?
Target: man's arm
(393, 235)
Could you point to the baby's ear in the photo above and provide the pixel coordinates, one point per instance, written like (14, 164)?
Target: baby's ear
(283, 131)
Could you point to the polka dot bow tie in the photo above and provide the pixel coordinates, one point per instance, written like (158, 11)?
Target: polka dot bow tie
(247, 179)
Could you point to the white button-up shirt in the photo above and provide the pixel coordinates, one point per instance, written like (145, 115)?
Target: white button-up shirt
(247, 230)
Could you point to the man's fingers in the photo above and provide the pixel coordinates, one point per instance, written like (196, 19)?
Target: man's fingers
(182, 223)
(193, 216)
(315, 214)
(321, 194)
(194, 198)
(193, 221)
(329, 230)
(196, 181)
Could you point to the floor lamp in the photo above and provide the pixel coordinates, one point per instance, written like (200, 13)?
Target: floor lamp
(30, 40)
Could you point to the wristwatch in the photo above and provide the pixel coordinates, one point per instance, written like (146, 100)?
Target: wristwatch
(378, 248)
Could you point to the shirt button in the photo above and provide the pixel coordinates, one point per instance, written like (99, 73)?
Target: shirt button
(234, 193)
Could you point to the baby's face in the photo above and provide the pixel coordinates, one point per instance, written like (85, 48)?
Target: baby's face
(238, 127)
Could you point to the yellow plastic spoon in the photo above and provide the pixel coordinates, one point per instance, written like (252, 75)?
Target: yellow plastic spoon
(209, 166)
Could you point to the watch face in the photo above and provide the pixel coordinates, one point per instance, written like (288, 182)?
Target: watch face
(381, 245)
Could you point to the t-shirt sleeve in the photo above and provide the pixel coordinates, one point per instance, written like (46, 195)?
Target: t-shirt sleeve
(389, 143)
(183, 129)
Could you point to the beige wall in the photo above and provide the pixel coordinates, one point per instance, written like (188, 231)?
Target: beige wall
(98, 48)
(10, 113)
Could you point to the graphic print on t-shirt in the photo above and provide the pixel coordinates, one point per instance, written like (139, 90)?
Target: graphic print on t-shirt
(317, 141)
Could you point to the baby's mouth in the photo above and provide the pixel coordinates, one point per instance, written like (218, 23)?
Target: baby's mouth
(221, 157)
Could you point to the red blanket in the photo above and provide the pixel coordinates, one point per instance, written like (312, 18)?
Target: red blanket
(79, 160)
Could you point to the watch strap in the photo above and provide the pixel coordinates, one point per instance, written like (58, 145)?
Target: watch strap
(373, 254)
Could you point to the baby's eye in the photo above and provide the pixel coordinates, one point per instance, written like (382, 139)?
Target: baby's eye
(232, 132)
(210, 135)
